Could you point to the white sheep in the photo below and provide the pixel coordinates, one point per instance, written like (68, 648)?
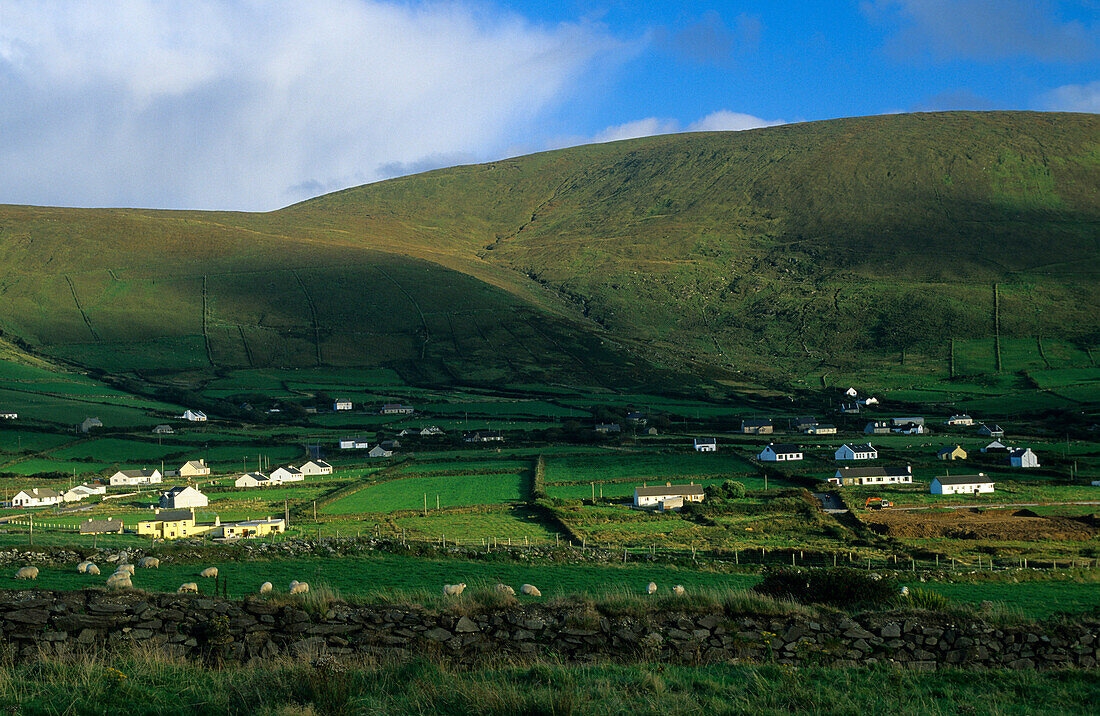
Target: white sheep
(120, 580)
(188, 588)
(292, 583)
(125, 568)
(651, 588)
(299, 588)
(82, 568)
(453, 590)
(678, 590)
(266, 587)
(149, 563)
(27, 573)
(530, 590)
(209, 572)
(92, 570)
(905, 591)
(505, 589)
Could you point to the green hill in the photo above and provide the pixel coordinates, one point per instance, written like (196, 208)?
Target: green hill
(836, 245)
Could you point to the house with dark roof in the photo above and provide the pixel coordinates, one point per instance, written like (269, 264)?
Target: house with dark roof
(780, 452)
(961, 484)
(884, 475)
(951, 452)
(995, 431)
(757, 427)
(706, 444)
(111, 525)
(877, 427)
(36, 497)
(865, 451)
(1023, 457)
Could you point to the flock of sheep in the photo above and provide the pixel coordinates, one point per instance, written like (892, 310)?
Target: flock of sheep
(453, 590)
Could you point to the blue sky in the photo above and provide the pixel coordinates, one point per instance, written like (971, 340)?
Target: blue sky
(254, 104)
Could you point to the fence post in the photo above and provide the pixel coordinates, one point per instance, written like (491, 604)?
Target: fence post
(792, 559)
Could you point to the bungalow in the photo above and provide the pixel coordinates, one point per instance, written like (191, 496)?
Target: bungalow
(877, 427)
(286, 474)
(991, 432)
(951, 452)
(910, 429)
(757, 427)
(9, 416)
(193, 468)
(484, 436)
(379, 451)
(249, 528)
(316, 467)
(342, 405)
(36, 497)
(90, 423)
(995, 447)
(667, 496)
(706, 445)
(961, 484)
(959, 420)
(780, 452)
(606, 428)
(253, 479)
(81, 492)
(175, 524)
(856, 452)
(361, 443)
(431, 431)
(820, 429)
(397, 409)
(194, 416)
(111, 525)
(887, 475)
(135, 477)
(1023, 457)
(182, 497)
(163, 430)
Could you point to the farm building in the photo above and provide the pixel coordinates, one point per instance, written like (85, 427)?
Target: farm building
(820, 429)
(8, 415)
(396, 409)
(991, 432)
(757, 427)
(111, 525)
(316, 467)
(36, 497)
(856, 452)
(379, 451)
(667, 496)
(249, 528)
(877, 427)
(90, 423)
(484, 436)
(889, 475)
(951, 452)
(194, 416)
(959, 420)
(606, 428)
(81, 492)
(961, 484)
(163, 430)
(286, 474)
(780, 452)
(342, 405)
(182, 497)
(253, 479)
(706, 445)
(135, 477)
(1023, 457)
(193, 468)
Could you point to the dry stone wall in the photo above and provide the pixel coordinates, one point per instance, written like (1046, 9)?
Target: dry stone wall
(35, 621)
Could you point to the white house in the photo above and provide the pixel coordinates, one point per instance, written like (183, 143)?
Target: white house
(877, 427)
(81, 492)
(1023, 457)
(193, 468)
(995, 446)
(431, 430)
(182, 497)
(910, 429)
(36, 497)
(90, 423)
(287, 474)
(961, 484)
(195, 416)
(342, 405)
(316, 467)
(889, 475)
(667, 496)
(163, 430)
(484, 436)
(851, 392)
(820, 429)
(856, 452)
(780, 452)
(706, 445)
(959, 420)
(252, 479)
(9, 416)
(135, 477)
(396, 409)
(379, 451)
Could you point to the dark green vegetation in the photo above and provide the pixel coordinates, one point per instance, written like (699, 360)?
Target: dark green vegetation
(841, 247)
(144, 684)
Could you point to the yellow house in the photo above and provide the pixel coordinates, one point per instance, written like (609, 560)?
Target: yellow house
(251, 528)
(194, 468)
(952, 453)
(175, 524)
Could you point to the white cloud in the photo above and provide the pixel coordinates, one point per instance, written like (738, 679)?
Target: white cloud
(1073, 98)
(720, 121)
(255, 104)
(725, 121)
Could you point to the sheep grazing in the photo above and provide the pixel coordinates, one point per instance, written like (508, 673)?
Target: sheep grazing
(120, 580)
(678, 590)
(27, 573)
(505, 589)
(125, 568)
(905, 591)
(82, 568)
(188, 588)
(530, 590)
(266, 588)
(651, 588)
(299, 588)
(92, 570)
(453, 590)
(293, 582)
(149, 563)
(209, 572)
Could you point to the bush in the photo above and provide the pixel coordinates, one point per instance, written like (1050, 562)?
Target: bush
(839, 587)
(927, 599)
(728, 490)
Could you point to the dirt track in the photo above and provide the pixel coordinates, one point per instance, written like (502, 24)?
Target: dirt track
(979, 524)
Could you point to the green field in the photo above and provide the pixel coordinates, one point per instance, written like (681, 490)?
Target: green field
(452, 490)
(676, 466)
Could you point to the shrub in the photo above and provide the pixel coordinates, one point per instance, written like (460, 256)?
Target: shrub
(927, 599)
(840, 587)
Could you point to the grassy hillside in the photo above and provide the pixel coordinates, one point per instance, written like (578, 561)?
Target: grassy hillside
(828, 246)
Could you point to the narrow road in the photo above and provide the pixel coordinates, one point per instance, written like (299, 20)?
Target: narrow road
(990, 506)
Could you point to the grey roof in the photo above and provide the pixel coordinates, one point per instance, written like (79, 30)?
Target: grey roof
(41, 492)
(137, 473)
(862, 447)
(174, 515)
(963, 479)
(876, 471)
(112, 524)
(669, 490)
(755, 423)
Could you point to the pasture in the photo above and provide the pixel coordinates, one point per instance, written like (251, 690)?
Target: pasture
(410, 493)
